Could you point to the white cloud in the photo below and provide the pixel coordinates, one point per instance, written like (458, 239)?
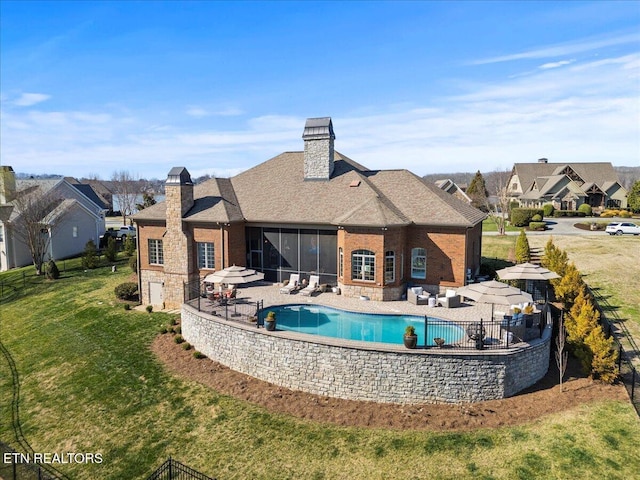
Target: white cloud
(199, 112)
(29, 99)
(561, 63)
(586, 111)
(564, 49)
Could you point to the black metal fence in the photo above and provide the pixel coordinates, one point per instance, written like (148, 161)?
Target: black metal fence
(611, 322)
(19, 466)
(481, 334)
(239, 308)
(174, 470)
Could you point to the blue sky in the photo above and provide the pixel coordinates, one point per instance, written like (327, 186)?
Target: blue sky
(88, 88)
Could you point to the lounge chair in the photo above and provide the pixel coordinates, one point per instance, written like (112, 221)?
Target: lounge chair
(314, 283)
(450, 299)
(417, 296)
(293, 285)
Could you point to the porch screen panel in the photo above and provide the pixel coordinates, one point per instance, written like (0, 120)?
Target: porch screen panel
(271, 249)
(289, 249)
(309, 251)
(328, 266)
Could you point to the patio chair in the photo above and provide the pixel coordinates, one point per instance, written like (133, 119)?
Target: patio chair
(293, 285)
(417, 296)
(314, 283)
(449, 300)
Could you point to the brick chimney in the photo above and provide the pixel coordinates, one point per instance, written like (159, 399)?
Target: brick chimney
(318, 139)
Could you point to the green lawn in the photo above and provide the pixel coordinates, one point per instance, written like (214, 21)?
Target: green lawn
(89, 383)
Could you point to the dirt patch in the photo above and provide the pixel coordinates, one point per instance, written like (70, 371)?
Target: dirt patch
(542, 399)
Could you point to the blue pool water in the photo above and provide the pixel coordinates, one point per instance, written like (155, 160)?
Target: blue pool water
(368, 327)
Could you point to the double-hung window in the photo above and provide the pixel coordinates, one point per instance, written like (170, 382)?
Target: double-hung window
(418, 263)
(156, 255)
(206, 258)
(363, 265)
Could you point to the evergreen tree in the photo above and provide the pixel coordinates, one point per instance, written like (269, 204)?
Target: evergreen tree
(89, 257)
(633, 198)
(569, 286)
(148, 199)
(555, 260)
(111, 251)
(604, 356)
(523, 251)
(129, 246)
(477, 191)
(52, 271)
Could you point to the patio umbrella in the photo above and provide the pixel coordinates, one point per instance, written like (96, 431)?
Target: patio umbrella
(526, 271)
(234, 275)
(494, 292)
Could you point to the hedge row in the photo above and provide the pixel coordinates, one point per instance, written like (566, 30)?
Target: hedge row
(521, 217)
(568, 213)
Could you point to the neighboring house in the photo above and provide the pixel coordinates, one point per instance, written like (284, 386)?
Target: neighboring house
(74, 221)
(454, 189)
(567, 185)
(369, 232)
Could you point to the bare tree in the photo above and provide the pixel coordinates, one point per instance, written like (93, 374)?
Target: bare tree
(126, 188)
(32, 224)
(560, 353)
(499, 187)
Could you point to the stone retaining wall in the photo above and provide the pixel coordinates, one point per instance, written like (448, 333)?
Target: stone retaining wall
(359, 371)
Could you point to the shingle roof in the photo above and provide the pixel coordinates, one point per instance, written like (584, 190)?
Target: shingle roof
(276, 192)
(597, 172)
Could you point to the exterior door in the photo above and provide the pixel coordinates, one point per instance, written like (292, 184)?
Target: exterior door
(155, 293)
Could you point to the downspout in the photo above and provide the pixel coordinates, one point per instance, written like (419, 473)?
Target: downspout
(222, 245)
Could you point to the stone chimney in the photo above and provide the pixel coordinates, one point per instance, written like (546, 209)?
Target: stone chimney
(7, 184)
(318, 139)
(543, 160)
(177, 241)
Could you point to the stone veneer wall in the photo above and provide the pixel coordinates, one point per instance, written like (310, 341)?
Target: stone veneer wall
(318, 158)
(356, 371)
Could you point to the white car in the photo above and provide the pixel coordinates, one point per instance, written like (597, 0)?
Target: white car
(618, 228)
(127, 231)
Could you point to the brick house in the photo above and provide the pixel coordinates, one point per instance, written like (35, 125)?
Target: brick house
(370, 232)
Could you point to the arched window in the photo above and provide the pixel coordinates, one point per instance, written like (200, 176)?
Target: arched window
(389, 267)
(418, 263)
(363, 265)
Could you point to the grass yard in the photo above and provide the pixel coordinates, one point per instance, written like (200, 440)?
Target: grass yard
(89, 383)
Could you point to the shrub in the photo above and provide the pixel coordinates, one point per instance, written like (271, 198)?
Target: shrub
(89, 257)
(548, 209)
(536, 218)
(178, 329)
(604, 356)
(149, 308)
(163, 329)
(133, 264)
(186, 346)
(178, 339)
(52, 271)
(127, 306)
(198, 355)
(173, 321)
(111, 252)
(625, 214)
(129, 246)
(537, 226)
(568, 213)
(521, 217)
(586, 209)
(523, 252)
(126, 291)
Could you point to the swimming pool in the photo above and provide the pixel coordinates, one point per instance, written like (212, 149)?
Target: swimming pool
(367, 327)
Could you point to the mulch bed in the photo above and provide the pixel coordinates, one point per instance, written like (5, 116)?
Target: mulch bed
(542, 399)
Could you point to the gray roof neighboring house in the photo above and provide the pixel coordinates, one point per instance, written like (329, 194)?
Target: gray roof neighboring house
(276, 192)
(598, 172)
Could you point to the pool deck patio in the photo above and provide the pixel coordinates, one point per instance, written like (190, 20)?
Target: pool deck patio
(270, 294)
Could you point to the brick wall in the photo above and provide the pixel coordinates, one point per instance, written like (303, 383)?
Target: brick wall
(376, 373)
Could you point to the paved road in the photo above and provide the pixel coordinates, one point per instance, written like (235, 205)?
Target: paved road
(565, 226)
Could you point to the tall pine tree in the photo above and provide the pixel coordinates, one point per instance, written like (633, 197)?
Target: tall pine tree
(477, 191)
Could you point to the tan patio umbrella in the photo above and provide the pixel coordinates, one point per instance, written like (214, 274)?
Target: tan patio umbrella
(526, 271)
(494, 292)
(234, 275)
